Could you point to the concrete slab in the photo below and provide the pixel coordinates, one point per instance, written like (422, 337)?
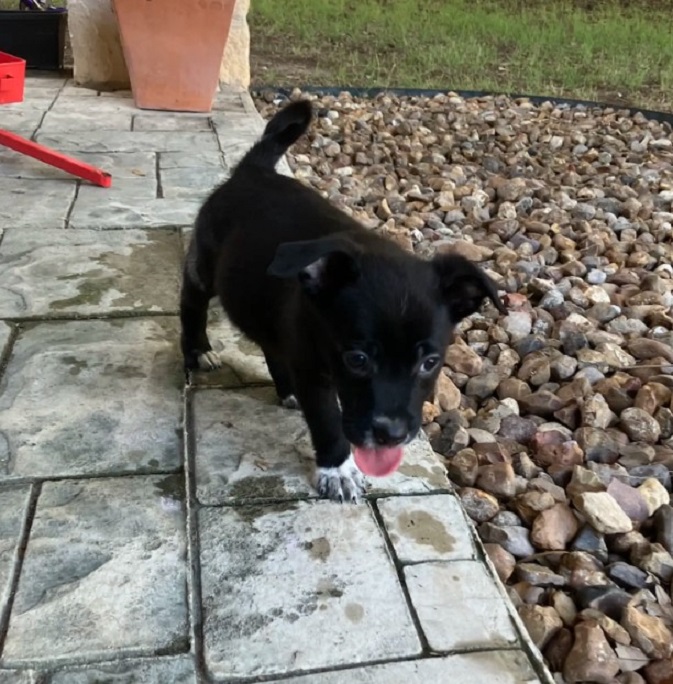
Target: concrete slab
(177, 670)
(440, 592)
(87, 272)
(36, 204)
(91, 398)
(493, 667)
(103, 573)
(427, 528)
(331, 577)
(13, 511)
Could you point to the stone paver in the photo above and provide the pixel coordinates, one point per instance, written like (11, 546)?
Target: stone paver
(427, 528)
(57, 121)
(178, 670)
(442, 591)
(91, 397)
(129, 576)
(192, 182)
(171, 122)
(248, 448)
(18, 677)
(36, 204)
(56, 272)
(331, 576)
(104, 572)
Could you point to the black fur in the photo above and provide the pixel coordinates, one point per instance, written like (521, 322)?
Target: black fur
(311, 287)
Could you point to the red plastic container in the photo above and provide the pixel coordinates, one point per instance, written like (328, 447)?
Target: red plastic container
(12, 78)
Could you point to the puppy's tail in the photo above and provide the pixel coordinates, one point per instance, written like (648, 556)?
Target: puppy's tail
(286, 127)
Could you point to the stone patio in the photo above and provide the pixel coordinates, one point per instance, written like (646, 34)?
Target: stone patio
(157, 532)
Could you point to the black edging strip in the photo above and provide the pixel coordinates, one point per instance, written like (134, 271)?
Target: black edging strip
(661, 117)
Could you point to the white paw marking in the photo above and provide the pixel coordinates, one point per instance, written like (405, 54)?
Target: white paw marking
(290, 402)
(345, 483)
(209, 360)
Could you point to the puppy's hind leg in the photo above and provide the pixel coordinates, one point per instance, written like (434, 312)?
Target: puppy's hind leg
(194, 299)
(281, 379)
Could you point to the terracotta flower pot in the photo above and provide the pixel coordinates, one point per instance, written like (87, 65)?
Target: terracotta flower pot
(173, 50)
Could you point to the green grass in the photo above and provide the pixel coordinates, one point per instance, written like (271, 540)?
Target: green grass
(622, 52)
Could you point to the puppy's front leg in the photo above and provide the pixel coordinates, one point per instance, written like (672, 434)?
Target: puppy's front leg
(337, 477)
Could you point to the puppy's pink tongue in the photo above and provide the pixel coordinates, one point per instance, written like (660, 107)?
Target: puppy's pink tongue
(378, 462)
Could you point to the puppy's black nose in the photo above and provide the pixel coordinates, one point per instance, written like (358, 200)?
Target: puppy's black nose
(389, 431)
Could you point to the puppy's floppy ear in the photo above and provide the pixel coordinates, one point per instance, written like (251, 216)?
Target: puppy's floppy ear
(320, 265)
(464, 286)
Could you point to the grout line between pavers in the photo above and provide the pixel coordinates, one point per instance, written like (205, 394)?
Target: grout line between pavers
(71, 208)
(157, 169)
(113, 315)
(193, 540)
(17, 565)
(46, 111)
(6, 353)
(399, 570)
(16, 481)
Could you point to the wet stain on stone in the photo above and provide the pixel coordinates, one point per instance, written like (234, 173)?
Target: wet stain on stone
(425, 530)
(171, 487)
(319, 549)
(354, 612)
(329, 588)
(263, 487)
(117, 271)
(76, 365)
(436, 477)
(89, 292)
(250, 513)
(248, 347)
(123, 370)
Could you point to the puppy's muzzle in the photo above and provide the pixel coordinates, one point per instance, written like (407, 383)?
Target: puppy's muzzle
(389, 431)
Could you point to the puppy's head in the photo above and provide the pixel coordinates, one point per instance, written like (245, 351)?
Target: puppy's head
(384, 319)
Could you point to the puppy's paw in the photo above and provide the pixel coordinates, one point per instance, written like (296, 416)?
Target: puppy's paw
(345, 483)
(290, 402)
(209, 361)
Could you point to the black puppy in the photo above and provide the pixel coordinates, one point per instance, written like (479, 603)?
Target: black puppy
(350, 324)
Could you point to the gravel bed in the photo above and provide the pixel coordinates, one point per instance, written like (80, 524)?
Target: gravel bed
(556, 420)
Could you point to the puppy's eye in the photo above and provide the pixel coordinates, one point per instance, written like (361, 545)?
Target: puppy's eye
(356, 361)
(429, 365)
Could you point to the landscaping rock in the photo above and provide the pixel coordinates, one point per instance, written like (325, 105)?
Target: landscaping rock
(603, 512)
